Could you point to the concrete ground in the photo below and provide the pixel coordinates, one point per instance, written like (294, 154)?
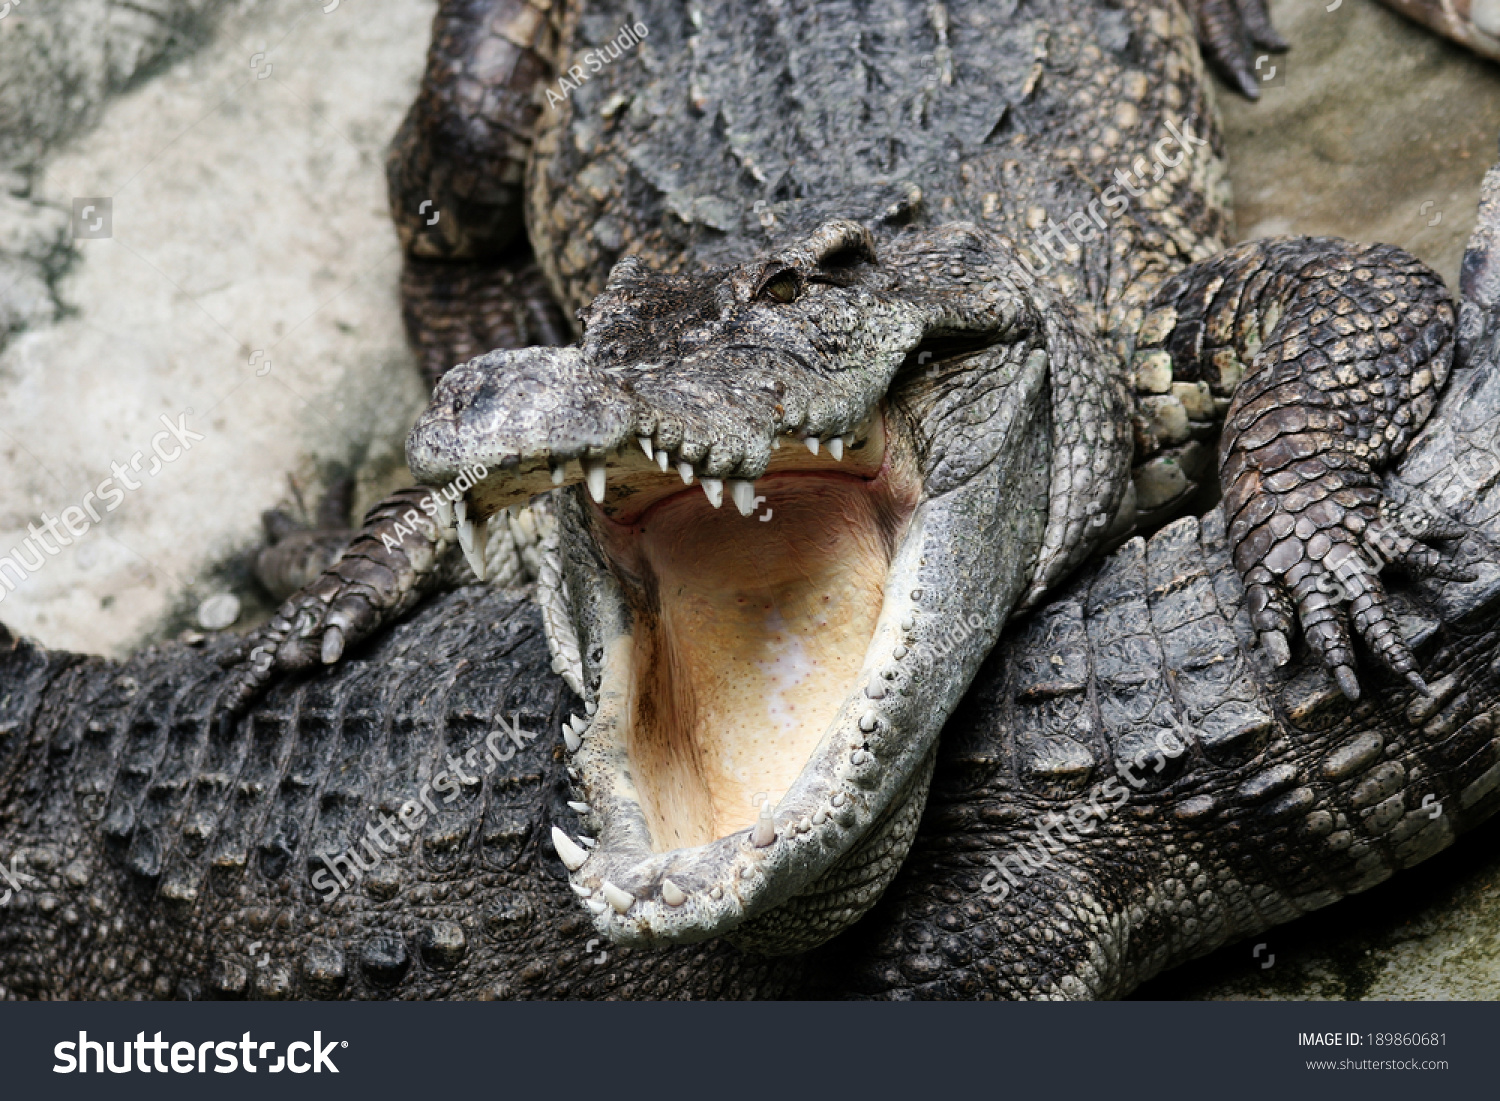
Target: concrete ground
(248, 285)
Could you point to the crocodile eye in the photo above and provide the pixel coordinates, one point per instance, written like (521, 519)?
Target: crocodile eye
(783, 286)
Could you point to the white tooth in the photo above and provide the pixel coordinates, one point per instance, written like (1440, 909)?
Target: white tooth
(581, 808)
(836, 448)
(589, 841)
(686, 470)
(582, 891)
(663, 461)
(645, 442)
(572, 856)
(593, 470)
(714, 488)
(571, 739)
(591, 707)
(559, 474)
(775, 443)
(471, 540)
(875, 689)
(819, 816)
(672, 894)
(444, 510)
(579, 723)
(764, 832)
(743, 493)
(595, 905)
(617, 898)
(869, 721)
(812, 443)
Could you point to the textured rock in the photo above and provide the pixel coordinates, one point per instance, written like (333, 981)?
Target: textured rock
(248, 217)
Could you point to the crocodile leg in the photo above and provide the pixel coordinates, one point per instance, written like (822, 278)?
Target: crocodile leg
(389, 566)
(1343, 349)
(454, 175)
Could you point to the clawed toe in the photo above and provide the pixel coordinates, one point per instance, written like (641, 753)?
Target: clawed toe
(1230, 31)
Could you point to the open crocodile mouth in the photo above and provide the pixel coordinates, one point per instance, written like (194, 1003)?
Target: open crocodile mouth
(781, 554)
(733, 655)
(751, 657)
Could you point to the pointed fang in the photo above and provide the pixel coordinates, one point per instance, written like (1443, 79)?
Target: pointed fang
(836, 448)
(593, 470)
(812, 443)
(686, 471)
(743, 493)
(471, 540)
(672, 894)
(645, 442)
(764, 833)
(620, 900)
(714, 489)
(572, 854)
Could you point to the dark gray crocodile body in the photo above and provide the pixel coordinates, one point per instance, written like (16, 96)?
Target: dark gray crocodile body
(164, 847)
(179, 847)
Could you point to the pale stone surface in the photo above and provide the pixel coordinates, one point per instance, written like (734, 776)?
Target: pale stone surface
(1372, 129)
(249, 230)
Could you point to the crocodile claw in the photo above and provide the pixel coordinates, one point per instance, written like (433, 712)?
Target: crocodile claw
(1230, 32)
(382, 574)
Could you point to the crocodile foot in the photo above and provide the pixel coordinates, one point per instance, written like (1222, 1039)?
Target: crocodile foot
(299, 548)
(1230, 32)
(393, 561)
(1343, 349)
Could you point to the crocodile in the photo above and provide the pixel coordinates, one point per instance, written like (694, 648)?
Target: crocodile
(896, 328)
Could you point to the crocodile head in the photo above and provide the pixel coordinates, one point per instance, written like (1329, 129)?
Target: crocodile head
(797, 499)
